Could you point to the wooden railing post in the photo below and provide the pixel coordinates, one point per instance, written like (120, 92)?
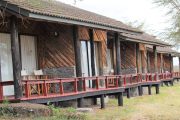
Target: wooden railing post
(106, 82)
(61, 87)
(124, 80)
(131, 79)
(45, 88)
(137, 78)
(27, 89)
(97, 83)
(117, 81)
(84, 84)
(1, 91)
(75, 85)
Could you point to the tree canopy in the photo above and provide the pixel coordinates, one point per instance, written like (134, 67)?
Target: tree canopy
(173, 7)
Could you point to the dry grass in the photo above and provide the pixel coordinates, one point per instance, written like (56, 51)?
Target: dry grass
(165, 106)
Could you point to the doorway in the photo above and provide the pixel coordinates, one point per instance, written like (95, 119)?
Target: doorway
(86, 60)
(28, 54)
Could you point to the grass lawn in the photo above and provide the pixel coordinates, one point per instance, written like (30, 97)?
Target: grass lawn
(165, 106)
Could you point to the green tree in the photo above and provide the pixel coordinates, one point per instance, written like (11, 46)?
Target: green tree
(173, 6)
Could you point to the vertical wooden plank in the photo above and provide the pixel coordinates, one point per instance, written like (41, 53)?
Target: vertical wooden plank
(77, 49)
(118, 54)
(155, 59)
(16, 57)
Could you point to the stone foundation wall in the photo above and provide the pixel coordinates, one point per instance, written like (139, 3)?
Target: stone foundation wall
(62, 72)
(129, 71)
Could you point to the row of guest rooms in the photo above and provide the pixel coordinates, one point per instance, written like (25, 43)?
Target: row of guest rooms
(48, 49)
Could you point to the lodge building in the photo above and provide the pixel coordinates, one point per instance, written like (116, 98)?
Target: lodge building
(48, 45)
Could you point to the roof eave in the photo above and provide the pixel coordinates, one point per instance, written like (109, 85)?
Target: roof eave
(77, 22)
(145, 42)
(14, 9)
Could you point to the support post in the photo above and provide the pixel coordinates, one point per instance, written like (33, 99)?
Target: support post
(155, 59)
(140, 90)
(171, 60)
(120, 99)
(80, 102)
(16, 57)
(102, 102)
(118, 54)
(157, 89)
(148, 62)
(128, 93)
(91, 35)
(77, 50)
(138, 58)
(162, 62)
(149, 89)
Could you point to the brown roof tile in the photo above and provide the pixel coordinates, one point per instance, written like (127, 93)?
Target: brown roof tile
(59, 9)
(164, 49)
(144, 38)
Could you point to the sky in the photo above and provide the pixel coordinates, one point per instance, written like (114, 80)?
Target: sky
(154, 18)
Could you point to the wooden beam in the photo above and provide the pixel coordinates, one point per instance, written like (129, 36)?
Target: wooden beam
(91, 35)
(93, 69)
(77, 52)
(162, 62)
(114, 57)
(118, 54)
(171, 63)
(138, 58)
(16, 57)
(155, 59)
(140, 62)
(148, 63)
